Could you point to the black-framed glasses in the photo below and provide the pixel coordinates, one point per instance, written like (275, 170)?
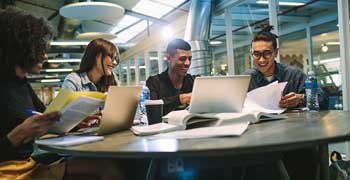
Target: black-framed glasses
(184, 58)
(267, 54)
(114, 58)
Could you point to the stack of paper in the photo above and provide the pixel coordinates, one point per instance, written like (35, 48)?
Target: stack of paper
(265, 99)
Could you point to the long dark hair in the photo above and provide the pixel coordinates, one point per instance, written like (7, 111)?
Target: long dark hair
(24, 40)
(266, 35)
(88, 61)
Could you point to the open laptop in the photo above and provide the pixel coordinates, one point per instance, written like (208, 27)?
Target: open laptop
(119, 110)
(118, 113)
(217, 94)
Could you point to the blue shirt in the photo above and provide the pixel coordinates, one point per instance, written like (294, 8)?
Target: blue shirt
(78, 82)
(285, 73)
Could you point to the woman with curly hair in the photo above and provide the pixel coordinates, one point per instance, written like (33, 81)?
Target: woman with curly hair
(24, 41)
(96, 68)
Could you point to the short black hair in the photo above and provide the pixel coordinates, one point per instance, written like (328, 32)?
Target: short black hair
(266, 35)
(177, 44)
(24, 39)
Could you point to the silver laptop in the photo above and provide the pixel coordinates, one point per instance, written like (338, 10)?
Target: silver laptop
(119, 110)
(217, 94)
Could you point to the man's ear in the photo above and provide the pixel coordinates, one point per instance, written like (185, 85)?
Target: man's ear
(168, 58)
(276, 51)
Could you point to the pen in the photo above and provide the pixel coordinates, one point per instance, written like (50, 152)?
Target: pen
(32, 112)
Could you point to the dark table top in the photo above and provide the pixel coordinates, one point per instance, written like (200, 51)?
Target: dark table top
(299, 130)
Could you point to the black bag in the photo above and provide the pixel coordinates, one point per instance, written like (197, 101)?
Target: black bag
(339, 169)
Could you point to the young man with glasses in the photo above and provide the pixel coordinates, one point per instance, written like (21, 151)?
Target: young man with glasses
(174, 85)
(300, 163)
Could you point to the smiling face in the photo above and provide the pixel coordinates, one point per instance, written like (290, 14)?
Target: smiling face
(264, 56)
(109, 62)
(180, 62)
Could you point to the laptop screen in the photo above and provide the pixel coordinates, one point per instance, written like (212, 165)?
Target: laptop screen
(217, 94)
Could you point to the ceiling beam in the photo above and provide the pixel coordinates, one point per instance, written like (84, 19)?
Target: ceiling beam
(143, 16)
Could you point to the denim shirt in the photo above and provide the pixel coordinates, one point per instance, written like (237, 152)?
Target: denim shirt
(78, 82)
(285, 73)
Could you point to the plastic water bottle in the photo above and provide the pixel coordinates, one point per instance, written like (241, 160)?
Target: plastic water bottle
(145, 94)
(311, 88)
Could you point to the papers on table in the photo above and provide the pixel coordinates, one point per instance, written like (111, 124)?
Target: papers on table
(236, 129)
(68, 140)
(265, 99)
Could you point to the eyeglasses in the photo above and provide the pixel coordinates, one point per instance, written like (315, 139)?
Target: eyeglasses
(267, 54)
(184, 58)
(114, 58)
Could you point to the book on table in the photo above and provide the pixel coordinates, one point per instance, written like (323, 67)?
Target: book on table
(256, 108)
(75, 107)
(183, 119)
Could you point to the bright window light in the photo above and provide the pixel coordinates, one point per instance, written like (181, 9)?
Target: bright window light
(171, 3)
(167, 32)
(283, 3)
(69, 43)
(130, 33)
(124, 22)
(151, 8)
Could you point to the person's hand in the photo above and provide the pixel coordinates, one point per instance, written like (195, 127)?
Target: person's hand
(90, 120)
(291, 100)
(185, 98)
(32, 127)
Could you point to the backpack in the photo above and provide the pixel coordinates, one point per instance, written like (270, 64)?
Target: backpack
(339, 169)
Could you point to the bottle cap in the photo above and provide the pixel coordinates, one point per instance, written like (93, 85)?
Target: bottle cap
(311, 73)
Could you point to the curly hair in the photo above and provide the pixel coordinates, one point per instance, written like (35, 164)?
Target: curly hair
(24, 40)
(265, 35)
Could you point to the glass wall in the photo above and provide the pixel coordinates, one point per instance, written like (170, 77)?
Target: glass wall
(132, 71)
(317, 20)
(142, 67)
(123, 77)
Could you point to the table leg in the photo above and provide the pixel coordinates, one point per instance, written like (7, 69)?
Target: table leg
(324, 162)
(151, 170)
(282, 170)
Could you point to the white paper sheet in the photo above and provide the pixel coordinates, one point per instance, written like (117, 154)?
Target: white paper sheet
(265, 99)
(236, 129)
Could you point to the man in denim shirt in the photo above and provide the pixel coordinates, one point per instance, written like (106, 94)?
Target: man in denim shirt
(267, 70)
(300, 163)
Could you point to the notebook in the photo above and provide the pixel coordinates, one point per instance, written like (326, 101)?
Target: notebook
(218, 94)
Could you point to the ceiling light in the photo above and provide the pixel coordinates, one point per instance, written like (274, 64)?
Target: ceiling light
(153, 58)
(92, 11)
(57, 70)
(69, 43)
(216, 42)
(333, 43)
(63, 60)
(50, 80)
(133, 67)
(283, 3)
(324, 47)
